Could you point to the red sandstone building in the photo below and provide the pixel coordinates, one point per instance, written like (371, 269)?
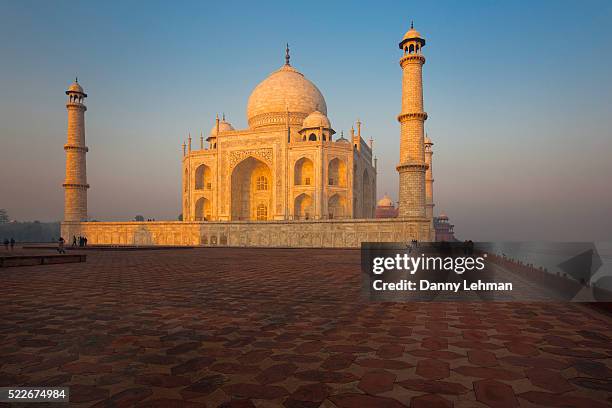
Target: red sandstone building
(444, 229)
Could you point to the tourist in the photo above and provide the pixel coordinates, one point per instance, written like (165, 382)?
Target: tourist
(414, 244)
(74, 242)
(84, 241)
(60, 246)
(12, 243)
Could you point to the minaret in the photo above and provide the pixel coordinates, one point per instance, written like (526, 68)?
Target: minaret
(412, 164)
(75, 183)
(429, 203)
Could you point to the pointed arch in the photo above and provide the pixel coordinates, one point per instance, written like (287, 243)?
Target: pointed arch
(303, 172)
(202, 209)
(336, 171)
(302, 207)
(336, 206)
(203, 177)
(251, 188)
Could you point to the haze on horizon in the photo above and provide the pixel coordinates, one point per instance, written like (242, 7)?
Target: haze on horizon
(519, 98)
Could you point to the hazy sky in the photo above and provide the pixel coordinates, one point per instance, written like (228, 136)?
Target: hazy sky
(519, 97)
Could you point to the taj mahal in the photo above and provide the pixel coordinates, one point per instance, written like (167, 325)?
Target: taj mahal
(287, 180)
(285, 166)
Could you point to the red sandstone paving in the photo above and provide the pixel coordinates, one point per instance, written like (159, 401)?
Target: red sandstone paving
(249, 327)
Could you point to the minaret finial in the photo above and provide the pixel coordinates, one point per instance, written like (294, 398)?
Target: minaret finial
(223, 119)
(287, 57)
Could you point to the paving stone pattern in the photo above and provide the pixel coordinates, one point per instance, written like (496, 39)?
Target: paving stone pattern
(272, 328)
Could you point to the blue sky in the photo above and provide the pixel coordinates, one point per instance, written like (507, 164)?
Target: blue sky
(519, 98)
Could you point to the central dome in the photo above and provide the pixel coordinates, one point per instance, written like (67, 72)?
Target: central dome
(284, 90)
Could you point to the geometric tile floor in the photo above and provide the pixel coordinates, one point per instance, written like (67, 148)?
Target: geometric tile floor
(270, 328)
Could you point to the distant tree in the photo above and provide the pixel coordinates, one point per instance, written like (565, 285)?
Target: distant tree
(31, 231)
(180, 217)
(139, 218)
(4, 218)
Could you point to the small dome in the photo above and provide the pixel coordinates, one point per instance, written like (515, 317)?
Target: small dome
(428, 141)
(443, 217)
(412, 34)
(342, 139)
(316, 119)
(385, 201)
(75, 87)
(224, 126)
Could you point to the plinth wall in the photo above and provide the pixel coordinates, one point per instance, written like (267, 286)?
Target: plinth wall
(290, 234)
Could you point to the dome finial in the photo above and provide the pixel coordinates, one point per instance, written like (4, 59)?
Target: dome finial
(411, 24)
(76, 79)
(287, 57)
